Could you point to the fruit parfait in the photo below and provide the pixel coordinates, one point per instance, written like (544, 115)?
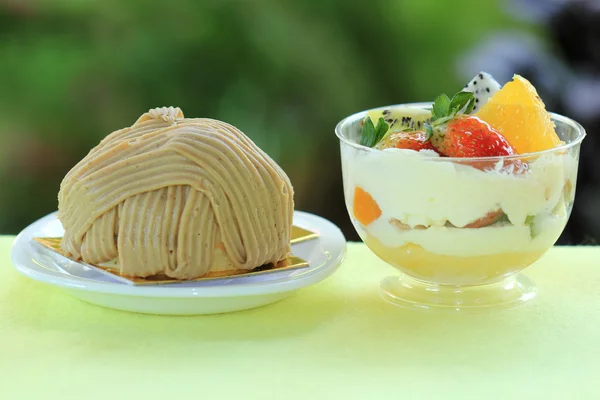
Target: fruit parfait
(462, 193)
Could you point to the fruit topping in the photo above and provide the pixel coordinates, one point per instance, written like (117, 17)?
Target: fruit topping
(483, 120)
(366, 209)
(518, 113)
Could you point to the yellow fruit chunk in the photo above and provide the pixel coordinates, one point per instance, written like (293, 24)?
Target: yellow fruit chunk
(365, 209)
(519, 114)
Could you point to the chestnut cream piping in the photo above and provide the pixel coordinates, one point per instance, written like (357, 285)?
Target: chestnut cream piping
(179, 196)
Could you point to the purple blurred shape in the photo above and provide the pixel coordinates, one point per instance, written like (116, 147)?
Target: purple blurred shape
(534, 10)
(507, 53)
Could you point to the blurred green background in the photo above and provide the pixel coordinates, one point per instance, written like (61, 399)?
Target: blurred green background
(283, 72)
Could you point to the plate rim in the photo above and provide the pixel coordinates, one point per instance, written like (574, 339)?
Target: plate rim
(317, 274)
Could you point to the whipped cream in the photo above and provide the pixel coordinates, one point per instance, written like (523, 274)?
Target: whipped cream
(421, 190)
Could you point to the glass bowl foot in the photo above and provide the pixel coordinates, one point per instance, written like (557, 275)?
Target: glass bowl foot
(412, 293)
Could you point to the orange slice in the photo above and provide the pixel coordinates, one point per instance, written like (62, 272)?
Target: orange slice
(365, 209)
(519, 114)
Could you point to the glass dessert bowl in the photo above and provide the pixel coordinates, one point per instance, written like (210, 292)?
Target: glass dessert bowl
(460, 229)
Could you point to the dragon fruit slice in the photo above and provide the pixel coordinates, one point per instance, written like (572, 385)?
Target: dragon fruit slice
(483, 86)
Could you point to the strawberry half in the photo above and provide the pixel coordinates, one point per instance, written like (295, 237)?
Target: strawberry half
(469, 136)
(415, 140)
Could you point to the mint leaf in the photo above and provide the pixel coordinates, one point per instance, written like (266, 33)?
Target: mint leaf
(462, 100)
(470, 106)
(367, 132)
(370, 135)
(380, 130)
(441, 107)
(444, 108)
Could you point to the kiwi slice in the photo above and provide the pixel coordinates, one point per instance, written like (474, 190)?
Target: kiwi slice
(402, 117)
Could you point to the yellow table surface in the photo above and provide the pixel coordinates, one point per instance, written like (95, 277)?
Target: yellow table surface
(334, 340)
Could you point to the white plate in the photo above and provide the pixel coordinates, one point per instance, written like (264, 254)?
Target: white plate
(323, 254)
